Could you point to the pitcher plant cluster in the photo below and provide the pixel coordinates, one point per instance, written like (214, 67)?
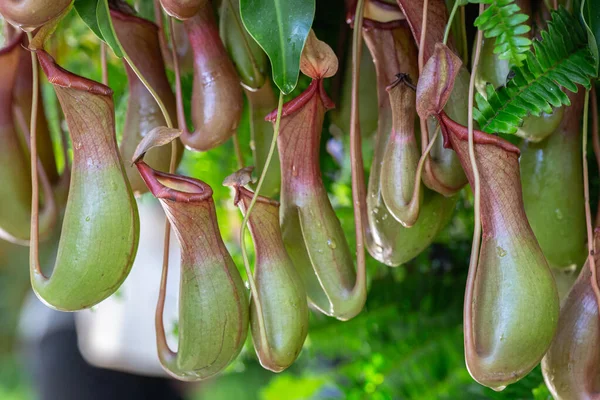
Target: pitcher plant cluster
(500, 105)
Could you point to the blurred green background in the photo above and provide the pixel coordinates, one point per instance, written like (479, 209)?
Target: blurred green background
(406, 344)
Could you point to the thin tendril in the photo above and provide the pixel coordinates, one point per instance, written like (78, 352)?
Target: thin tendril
(35, 216)
(239, 155)
(595, 138)
(150, 89)
(450, 20)
(160, 306)
(356, 158)
(422, 159)
(49, 201)
(421, 56)
(463, 34)
(423, 35)
(178, 91)
(586, 192)
(103, 63)
(476, 194)
(263, 174)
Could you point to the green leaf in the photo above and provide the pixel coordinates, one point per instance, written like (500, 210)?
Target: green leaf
(107, 28)
(562, 60)
(96, 15)
(87, 11)
(503, 21)
(280, 27)
(590, 13)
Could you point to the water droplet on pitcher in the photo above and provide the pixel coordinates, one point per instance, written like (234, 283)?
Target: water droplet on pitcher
(499, 388)
(252, 145)
(500, 251)
(294, 172)
(331, 244)
(558, 213)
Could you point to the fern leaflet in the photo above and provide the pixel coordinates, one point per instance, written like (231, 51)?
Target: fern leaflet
(561, 58)
(503, 21)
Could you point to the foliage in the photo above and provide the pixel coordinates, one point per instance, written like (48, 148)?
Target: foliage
(407, 344)
(562, 59)
(503, 21)
(283, 38)
(590, 14)
(96, 15)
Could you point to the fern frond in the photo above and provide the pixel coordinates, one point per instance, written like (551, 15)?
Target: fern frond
(561, 59)
(503, 21)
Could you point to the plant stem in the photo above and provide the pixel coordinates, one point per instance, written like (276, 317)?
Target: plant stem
(586, 192)
(34, 235)
(423, 35)
(178, 91)
(158, 100)
(476, 190)
(239, 155)
(463, 35)
(160, 306)
(421, 55)
(450, 20)
(356, 157)
(595, 139)
(253, 289)
(103, 63)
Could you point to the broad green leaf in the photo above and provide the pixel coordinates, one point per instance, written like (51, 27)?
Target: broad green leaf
(107, 29)
(280, 27)
(96, 15)
(87, 11)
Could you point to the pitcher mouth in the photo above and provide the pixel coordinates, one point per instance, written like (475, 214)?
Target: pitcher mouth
(292, 106)
(61, 77)
(171, 187)
(479, 137)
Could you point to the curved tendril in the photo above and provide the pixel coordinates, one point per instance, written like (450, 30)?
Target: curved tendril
(163, 346)
(253, 289)
(586, 191)
(449, 23)
(416, 194)
(155, 95)
(476, 195)
(356, 159)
